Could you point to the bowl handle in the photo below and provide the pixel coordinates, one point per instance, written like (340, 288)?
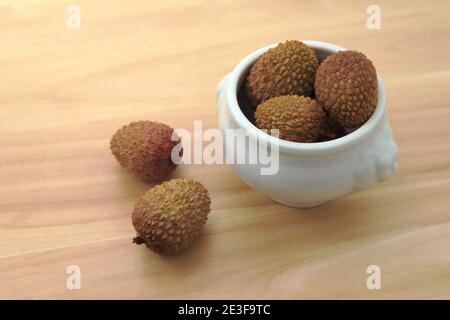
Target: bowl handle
(221, 87)
(379, 162)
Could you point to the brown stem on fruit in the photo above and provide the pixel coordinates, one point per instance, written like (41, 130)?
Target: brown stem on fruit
(138, 240)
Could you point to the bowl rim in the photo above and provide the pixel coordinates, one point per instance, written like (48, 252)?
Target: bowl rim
(236, 78)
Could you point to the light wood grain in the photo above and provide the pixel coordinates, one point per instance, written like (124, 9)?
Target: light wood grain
(64, 200)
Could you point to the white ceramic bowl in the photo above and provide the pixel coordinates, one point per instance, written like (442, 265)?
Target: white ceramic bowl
(310, 173)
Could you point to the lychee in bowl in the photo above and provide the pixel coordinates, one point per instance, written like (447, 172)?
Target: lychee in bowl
(308, 174)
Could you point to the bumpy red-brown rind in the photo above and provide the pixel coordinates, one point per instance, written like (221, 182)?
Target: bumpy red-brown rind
(297, 118)
(330, 130)
(145, 148)
(169, 217)
(346, 86)
(288, 69)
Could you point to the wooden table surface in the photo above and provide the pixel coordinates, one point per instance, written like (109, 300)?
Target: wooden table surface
(64, 200)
